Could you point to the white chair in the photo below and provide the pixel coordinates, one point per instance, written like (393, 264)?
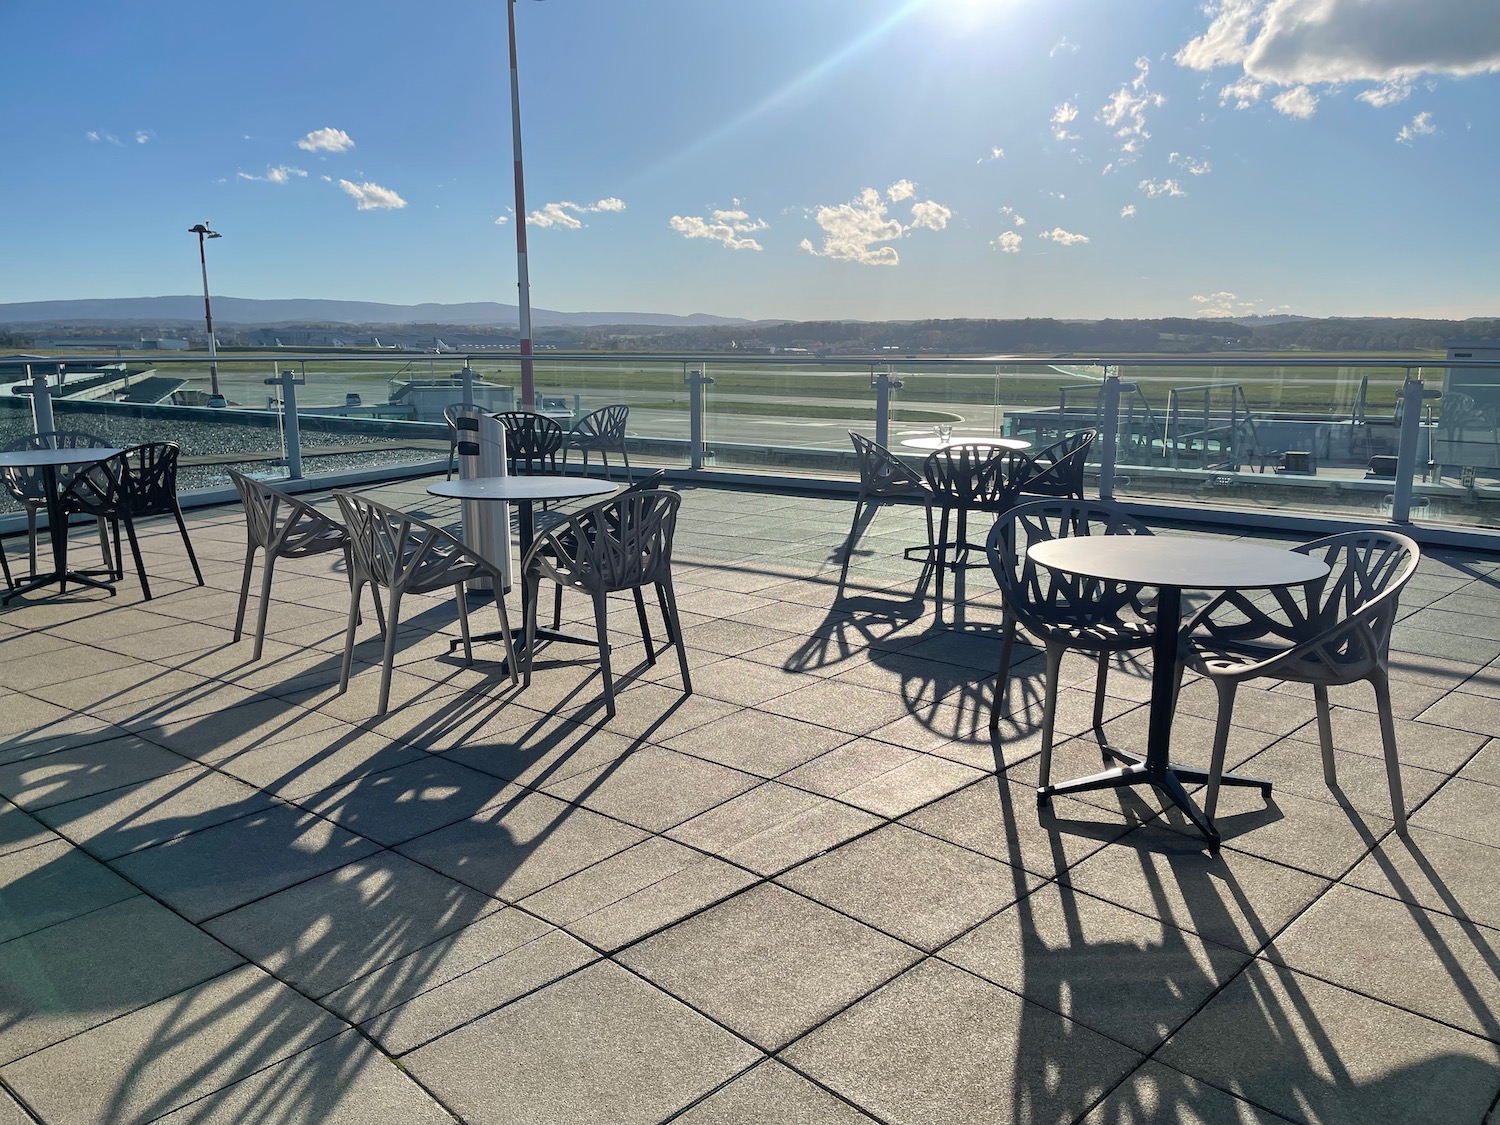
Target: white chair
(1325, 634)
(406, 555)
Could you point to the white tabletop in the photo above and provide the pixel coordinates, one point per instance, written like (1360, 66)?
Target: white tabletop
(931, 444)
(41, 458)
(522, 487)
(1179, 561)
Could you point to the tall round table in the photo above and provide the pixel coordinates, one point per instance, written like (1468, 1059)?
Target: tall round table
(934, 443)
(1170, 564)
(49, 461)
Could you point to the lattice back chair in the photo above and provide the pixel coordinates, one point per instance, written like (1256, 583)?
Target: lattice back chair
(1063, 611)
(881, 478)
(402, 554)
(602, 432)
(139, 481)
(532, 441)
(1057, 470)
(624, 543)
(963, 478)
(1324, 634)
(28, 487)
(282, 527)
(463, 429)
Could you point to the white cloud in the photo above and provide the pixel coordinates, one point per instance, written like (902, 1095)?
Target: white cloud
(1061, 46)
(372, 197)
(1189, 165)
(1227, 40)
(1063, 237)
(730, 228)
(997, 154)
(561, 214)
(1243, 91)
(326, 140)
(1125, 112)
(1157, 188)
(143, 135)
(1296, 102)
(502, 220)
(1008, 243)
(1388, 93)
(1224, 304)
(281, 174)
(855, 231)
(1128, 211)
(1014, 218)
(93, 136)
(1062, 116)
(1421, 126)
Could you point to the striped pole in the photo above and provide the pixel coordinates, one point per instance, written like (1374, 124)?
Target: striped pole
(523, 281)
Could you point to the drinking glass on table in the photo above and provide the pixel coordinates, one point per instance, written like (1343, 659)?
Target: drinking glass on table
(944, 432)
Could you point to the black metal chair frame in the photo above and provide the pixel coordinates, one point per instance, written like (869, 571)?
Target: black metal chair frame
(602, 432)
(964, 478)
(29, 489)
(882, 478)
(532, 441)
(1057, 469)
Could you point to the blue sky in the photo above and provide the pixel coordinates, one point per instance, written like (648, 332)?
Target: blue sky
(870, 159)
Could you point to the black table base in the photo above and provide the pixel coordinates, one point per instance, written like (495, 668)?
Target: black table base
(57, 531)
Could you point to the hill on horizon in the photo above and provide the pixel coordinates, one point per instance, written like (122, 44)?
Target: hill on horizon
(252, 311)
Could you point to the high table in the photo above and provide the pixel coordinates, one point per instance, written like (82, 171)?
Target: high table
(49, 461)
(524, 490)
(1170, 564)
(933, 444)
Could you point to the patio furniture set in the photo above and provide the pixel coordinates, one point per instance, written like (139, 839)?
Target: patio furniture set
(1081, 575)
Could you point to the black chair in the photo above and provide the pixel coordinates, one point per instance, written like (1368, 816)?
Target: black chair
(1057, 470)
(139, 481)
(881, 477)
(964, 478)
(602, 432)
(532, 441)
(28, 487)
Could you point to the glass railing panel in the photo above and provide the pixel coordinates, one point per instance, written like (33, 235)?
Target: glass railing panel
(789, 416)
(1456, 476)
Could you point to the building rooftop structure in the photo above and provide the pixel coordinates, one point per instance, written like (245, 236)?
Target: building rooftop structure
(814, 890)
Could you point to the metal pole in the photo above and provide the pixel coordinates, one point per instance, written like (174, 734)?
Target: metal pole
(41, 401)
(1109, 438)
(214, 397)
(466, 377)
(1412, 395)
(288, 384)
(883, 385)
(523, 280)
(696, 381)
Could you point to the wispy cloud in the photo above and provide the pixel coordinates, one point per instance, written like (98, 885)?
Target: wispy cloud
(1128, 211)
(1125, 112)
(281, 174)
(372, 197)
(1388, 93)
(1010, 212)
(1008, 243)
(1223, 304)
(1421, 126)
(95, 136)
(142, 136)
(1297, 102)
(1154, 189)
(326, 140)
(1063, 237)
(564, 213)
(1062, 117)
(730, 228)
(1062, 46)
(1243, 92)
(1189, 165)
(859, 230)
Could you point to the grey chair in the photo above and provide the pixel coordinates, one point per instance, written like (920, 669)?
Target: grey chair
(1063, 611)
(966, 478)
(532, 441)
(881, 478)
(624, 543)
(601, 432)
(1325, 634)
(405, 555)
(1057, 470)
(281, 526)
(28, 487)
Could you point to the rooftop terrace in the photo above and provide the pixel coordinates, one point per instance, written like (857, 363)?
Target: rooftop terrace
(813, 891)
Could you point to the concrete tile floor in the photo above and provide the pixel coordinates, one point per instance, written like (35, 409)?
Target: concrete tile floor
(813, 891)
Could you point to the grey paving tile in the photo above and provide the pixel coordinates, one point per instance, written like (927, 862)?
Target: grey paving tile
(1461, 808)
(1134, 978)
(50, 883)
(546, 749)
(758, 742)
(221, 734)
(457, 978)
(67, 978)
(396, 805)
(1421, 960)
(1234, 899)
(81, 771)
(1312, 1051)
(62, 666)
(30, 726)
(938, 1045)
(340, 1081)
(309, 761)
(12, 1113)
(322, 934)
(1435, 746)
(910, 885)
(112, 823)
(768, 963)
(1297, 767)
(773, 826)
(600, 1046)
(1159, 1093)
(147, 1063)
(1435, 871)
(19, 829)
(653, 787)
(1485, 765)
(848, 707)
(741, 682)
(522, 844)
(1314, 836)
(772, 1092)
(219, 868)
(881, 778)
(644, 888)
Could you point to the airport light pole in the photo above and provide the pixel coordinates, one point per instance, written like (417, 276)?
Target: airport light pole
(523, 280)
(214, 397)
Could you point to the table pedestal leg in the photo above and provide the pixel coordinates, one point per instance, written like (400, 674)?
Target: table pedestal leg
(57, 532)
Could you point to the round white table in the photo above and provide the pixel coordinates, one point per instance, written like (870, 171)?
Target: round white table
(933, 444)
(1170, 564)
(49, 461)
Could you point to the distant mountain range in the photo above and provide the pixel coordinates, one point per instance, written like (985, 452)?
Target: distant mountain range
(188, 310)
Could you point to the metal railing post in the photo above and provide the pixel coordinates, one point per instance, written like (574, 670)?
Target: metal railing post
(883, 385)
(1110, 433)
(1412, 394)
(41, 401)
(466, 377)
(288, 384)
(696, 381)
